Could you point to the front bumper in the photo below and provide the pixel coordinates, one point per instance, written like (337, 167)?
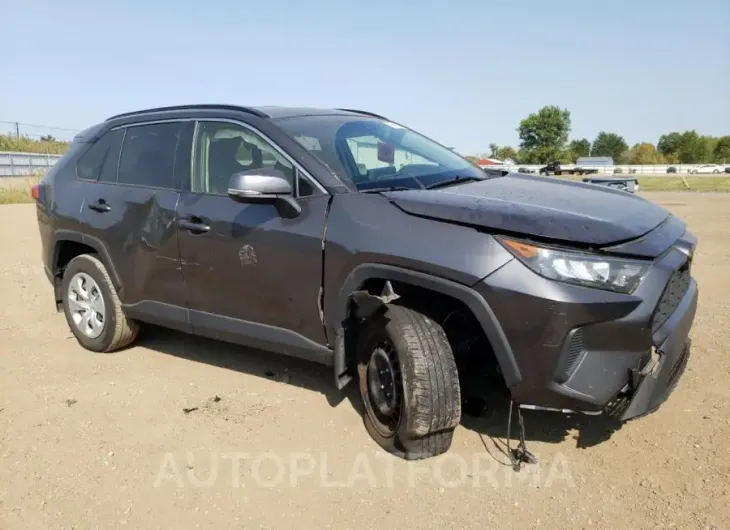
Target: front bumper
(581, 349)
(650, 386)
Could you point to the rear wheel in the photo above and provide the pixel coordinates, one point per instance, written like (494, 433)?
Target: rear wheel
(92, 308)
(409, 383)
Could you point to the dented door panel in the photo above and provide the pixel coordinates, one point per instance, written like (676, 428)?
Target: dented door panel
(252, 265)
(138, 230)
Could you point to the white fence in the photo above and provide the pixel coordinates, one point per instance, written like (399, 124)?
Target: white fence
(648, 170)
(23, 164)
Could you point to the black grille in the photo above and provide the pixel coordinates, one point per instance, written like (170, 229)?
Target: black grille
(571, 354)
(672, 295)
(575, 349)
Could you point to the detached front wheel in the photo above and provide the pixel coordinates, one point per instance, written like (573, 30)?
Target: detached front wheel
(409, 383)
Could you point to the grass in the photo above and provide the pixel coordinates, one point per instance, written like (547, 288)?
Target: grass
(685, 184)
(15, 196)
(17, 190)
(679, 183)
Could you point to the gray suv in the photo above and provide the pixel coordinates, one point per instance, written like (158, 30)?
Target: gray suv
(344, 238)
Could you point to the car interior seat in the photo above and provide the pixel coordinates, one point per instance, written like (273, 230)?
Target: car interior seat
(222, 163)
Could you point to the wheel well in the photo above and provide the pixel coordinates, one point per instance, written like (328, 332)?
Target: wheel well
(65, 252)
(480, 375)
(68, 250)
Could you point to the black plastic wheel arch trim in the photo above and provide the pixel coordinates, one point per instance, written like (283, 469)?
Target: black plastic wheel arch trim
(471, 298)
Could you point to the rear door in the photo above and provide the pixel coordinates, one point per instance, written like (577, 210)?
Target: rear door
(251, 276)
(129, 211)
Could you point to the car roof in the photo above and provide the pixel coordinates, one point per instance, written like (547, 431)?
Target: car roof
(278, 112)
(267, 111)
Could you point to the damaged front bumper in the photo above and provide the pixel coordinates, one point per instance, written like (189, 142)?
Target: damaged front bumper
(587, 351)
(651, 385)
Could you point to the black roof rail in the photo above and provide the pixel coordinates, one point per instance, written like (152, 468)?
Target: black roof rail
(202, 106)
(365, 113)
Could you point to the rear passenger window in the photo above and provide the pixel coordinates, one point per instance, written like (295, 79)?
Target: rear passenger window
(100, 161)
(148, 155)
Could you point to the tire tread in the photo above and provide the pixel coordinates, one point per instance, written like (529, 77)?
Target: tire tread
(432, 395)
(125, 329)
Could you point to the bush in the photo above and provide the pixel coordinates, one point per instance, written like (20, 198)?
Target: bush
(25, 144)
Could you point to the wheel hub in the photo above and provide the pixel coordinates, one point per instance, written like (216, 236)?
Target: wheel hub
(383, 382)
(86, 305)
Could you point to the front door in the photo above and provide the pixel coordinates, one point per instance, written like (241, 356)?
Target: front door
(251, 276)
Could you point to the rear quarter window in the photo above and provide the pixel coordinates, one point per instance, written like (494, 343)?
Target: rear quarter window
(100, 161)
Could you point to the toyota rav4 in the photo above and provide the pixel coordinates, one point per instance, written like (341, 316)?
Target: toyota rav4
(344, 238)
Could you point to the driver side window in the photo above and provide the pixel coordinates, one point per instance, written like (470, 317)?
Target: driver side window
(375, 158)
(223, 149)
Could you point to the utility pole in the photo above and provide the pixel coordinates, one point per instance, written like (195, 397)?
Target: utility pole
(17, 130)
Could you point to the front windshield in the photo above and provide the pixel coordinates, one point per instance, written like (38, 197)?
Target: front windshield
(373, 153)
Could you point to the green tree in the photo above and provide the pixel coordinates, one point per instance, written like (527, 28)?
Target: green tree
(543, 135)
(644, 153)
(493, 148)
(711, 144)
(580, 148)
(668, 144)
(609, 144)
(688, 147)
(693, 148)
(503, 153)
(721, 153)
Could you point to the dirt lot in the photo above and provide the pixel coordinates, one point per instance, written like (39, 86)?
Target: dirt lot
(102, 441)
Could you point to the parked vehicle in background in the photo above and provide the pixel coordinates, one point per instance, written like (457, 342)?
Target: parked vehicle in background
(595, 161)
(495, 171)
(554, 168)
(525, 170)
(343, 238)
(671, 169)
(706, 169)
(727, 169)
(625, 184)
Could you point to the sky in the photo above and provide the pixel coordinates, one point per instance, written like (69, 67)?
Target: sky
(463, 72)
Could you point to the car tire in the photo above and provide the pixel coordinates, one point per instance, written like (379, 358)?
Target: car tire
(716, 172)
(92, 308)
(417, 419)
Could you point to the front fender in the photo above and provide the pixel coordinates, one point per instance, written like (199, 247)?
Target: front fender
(469, 297)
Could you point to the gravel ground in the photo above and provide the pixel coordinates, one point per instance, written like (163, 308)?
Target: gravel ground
(180, 432)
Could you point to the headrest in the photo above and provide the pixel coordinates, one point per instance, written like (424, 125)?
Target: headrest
(227, 147)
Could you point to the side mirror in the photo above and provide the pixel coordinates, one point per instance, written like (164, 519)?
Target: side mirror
(265, 186)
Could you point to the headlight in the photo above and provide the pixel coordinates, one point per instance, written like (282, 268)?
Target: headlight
(590, 270)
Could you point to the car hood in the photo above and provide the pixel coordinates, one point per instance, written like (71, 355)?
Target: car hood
(543, 207)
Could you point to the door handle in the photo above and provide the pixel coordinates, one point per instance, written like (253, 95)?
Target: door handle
(100, 206)
(196, 226)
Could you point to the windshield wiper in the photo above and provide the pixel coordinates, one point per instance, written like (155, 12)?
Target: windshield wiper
(455, 180)
(387, 188)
